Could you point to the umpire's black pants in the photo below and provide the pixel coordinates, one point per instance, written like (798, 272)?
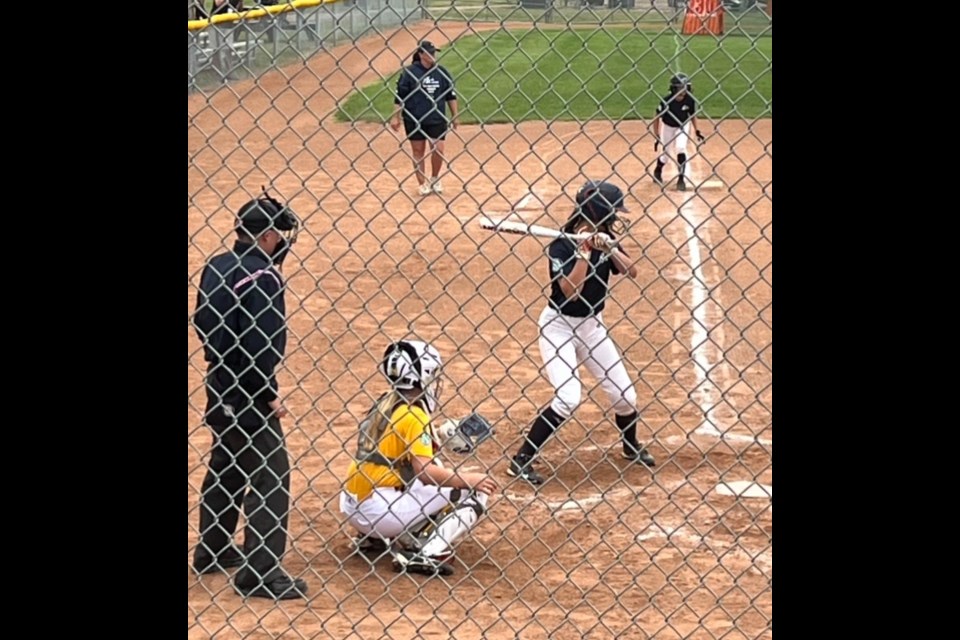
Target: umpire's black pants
(248, 466)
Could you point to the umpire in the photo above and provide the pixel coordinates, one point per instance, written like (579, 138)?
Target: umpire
(240, 319)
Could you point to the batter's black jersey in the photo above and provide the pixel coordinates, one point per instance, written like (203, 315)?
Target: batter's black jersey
(675, 113)
(424, 93)
(241, 320)
(593, 294)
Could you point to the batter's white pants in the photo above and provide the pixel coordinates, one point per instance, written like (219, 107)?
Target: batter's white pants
(565, 344)
(674, 141)
(389, 512)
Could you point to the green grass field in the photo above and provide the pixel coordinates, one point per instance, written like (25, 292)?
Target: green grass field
(586, 74)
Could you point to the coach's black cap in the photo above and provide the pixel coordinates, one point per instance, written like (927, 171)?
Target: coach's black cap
(265, 213)
(428, 46)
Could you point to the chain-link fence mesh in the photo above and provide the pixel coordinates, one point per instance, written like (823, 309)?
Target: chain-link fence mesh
(298, 98)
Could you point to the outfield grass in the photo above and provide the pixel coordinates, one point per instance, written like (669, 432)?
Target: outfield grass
(611, 74)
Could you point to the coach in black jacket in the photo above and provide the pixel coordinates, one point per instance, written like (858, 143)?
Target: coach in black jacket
(424, 90)
(240, 319)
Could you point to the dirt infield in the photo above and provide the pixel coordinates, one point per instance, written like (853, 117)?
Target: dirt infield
(602, 550)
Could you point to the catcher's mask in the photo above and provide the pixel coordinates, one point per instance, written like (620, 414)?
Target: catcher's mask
(414, 364)
(267, 213)
(598, 203)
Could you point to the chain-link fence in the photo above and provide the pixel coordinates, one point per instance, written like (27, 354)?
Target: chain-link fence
(548, 98)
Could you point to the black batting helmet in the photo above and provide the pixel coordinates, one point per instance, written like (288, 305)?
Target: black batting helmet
(680, 82)
(598, 202)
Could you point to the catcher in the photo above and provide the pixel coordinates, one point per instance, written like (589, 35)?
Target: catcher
(397, 495)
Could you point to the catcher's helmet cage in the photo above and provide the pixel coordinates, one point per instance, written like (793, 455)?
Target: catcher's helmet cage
(412, 364)
(265, 212)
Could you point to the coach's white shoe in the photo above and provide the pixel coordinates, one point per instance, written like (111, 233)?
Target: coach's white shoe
(437, 187)
(426, 189)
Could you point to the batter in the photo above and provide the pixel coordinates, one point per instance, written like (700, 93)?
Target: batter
(572, 331)
(676, 112)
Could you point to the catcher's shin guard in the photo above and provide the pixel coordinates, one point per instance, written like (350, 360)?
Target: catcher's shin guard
(439, 534)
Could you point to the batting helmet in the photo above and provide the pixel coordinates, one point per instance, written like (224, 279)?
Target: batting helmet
(599, 202)
(680, 82)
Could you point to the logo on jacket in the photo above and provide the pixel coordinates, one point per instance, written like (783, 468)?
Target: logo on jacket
(431, 84)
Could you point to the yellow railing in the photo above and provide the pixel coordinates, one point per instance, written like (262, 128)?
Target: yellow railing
(196, 25)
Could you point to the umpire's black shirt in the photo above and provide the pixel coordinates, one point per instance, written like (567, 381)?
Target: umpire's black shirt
(593, 293)
(424, 93)
(241, 320)
(675, 113)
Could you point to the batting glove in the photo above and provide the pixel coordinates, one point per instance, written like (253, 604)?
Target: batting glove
(603, 242)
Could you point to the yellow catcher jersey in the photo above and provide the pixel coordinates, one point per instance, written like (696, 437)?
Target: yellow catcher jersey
(406, 435)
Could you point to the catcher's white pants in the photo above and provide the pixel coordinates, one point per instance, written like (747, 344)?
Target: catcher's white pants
(388, 512)
(674, 141)
(565, 344)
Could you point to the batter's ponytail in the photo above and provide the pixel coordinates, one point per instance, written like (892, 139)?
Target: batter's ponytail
(575, 219)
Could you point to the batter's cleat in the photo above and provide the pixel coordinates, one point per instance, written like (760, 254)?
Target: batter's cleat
(639, 456)
(437, 187)
(521, 466)
(426, 189)
(413, 562)
(681, 185)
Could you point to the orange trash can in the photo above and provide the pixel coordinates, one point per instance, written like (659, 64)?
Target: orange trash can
(703, 17)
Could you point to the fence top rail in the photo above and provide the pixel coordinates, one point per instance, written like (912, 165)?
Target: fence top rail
(250, 14)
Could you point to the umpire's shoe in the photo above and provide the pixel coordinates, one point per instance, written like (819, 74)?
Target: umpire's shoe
(204, 563)
(521, 466)
(639, 454)
(413, 562)
(282, 588)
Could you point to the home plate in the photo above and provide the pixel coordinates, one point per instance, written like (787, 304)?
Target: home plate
(745, 489)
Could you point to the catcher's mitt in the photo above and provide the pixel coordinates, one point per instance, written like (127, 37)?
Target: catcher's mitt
(464, 436)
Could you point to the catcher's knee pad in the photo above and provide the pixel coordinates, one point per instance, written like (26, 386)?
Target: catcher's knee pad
(451, 526)
(476, 505)
(473, 499)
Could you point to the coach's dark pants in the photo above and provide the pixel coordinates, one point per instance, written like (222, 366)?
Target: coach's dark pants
(248, 466)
